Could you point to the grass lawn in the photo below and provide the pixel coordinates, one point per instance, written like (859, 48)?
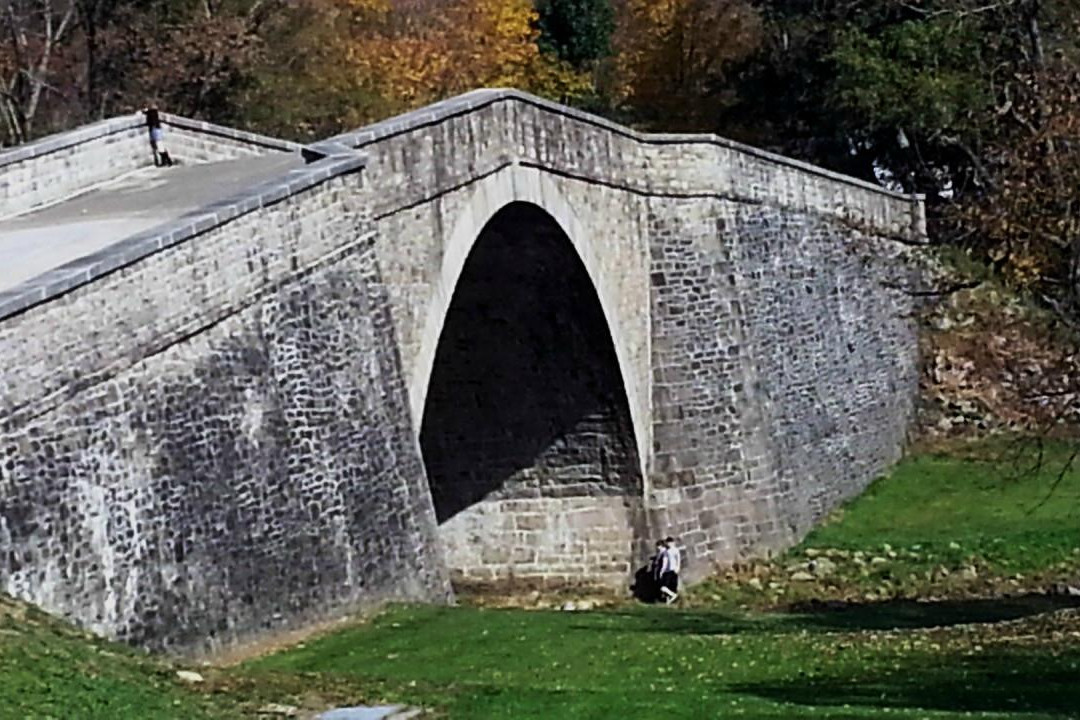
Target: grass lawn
(978, 525)
(948, 630)
(925, 599)
(659, 662)
(50, 670)
(1009, 514)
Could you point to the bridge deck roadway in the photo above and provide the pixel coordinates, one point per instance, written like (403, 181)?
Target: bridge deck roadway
(39, 240)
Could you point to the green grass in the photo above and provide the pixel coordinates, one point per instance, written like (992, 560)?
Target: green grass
(941, 507)
(881, 653)
(50, 670)
(894, 629)
(984, 521)
(663, 662)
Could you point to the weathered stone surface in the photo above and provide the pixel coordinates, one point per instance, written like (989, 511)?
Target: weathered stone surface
(228, 460)
(60, 165)
(525, 344)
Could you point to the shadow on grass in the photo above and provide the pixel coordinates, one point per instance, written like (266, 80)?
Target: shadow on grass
(672, 621)
(910, 614)
(1009, 681)
(830, 616)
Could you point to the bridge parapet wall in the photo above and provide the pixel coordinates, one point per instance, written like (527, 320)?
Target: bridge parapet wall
(511, 126)
(88, 309)
(62, 165)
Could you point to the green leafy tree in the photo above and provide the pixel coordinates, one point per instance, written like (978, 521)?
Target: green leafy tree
(577, 31)
(917, 94)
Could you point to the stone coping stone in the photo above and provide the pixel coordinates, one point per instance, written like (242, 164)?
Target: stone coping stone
(478, 99)
(376, 712)
(112, 126)
(207, 128)
(126, 251)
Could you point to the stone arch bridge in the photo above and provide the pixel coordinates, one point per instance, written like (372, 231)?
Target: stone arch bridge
(494, 340)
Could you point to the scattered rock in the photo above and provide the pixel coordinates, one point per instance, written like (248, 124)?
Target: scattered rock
(878, 560)
(939, 573)
(1064, 590)
(279, 710)
(569, 606)
(755, 583)
(969, 572)
(801, 576)
(362, 712)
(812, 552)
(822, 566)
(189, 676)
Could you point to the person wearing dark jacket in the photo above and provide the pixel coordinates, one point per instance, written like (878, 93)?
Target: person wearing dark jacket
(153, 124)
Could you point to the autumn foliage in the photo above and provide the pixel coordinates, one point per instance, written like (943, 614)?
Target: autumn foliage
(1029, 221)
(416, 56)
(673, 57)
(971, 103)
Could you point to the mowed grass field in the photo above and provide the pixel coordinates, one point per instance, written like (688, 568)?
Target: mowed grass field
(932, 604)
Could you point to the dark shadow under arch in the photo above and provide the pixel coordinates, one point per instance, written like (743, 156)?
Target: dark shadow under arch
(525, 397)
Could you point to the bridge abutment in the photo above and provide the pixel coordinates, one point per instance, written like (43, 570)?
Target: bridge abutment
(784, 372)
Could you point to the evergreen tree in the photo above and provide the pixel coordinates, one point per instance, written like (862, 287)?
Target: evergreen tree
(578, 31)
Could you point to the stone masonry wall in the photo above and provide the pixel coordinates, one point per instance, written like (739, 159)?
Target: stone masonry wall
(48, 170)
(194, 141)
(784, 371)
(710, 483)
(835, 353)
(214, 442)
(544, 541)
(57, 169)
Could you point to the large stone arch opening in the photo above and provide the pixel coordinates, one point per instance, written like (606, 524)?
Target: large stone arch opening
(526, 433)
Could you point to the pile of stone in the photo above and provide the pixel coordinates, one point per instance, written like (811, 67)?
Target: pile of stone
(995, 364)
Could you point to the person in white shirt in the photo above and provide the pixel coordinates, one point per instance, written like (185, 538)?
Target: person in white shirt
(670, 565)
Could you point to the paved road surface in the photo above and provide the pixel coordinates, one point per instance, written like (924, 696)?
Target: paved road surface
(40, 240)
